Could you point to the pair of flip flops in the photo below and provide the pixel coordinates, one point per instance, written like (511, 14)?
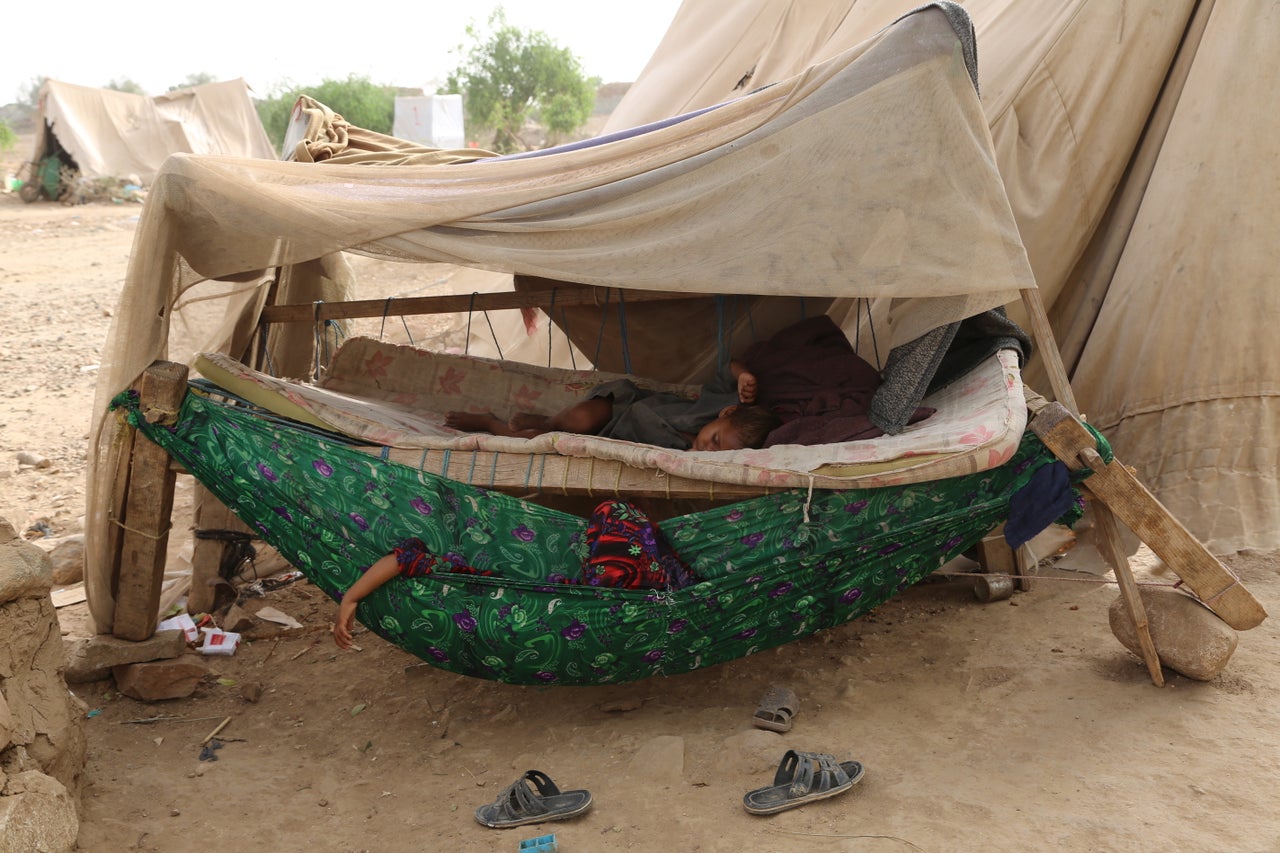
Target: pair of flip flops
(533, 798)
(803, 777)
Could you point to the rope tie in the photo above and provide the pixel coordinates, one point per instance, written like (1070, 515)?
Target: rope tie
(1234, 582)
(550, 323)
(622, 333)
(471, 308)
(604, 316)
(808, 500)
(386, 309)
(155, 537)
(318, 332)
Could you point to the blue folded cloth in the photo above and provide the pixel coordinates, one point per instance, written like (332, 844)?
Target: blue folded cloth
(1043, 500)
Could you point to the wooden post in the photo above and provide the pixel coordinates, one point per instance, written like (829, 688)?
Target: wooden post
(148, 508)
(995, 556)
(1119, 490)
(206, 554)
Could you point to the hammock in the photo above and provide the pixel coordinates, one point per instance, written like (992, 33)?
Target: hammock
(774, 568)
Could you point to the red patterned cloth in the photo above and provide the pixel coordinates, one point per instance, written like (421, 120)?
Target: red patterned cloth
(625, 549)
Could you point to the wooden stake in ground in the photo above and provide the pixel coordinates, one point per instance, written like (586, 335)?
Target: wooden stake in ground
(222, 725)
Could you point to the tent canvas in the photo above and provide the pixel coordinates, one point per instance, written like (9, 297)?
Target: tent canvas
(1142, 174)
(112, 134)
(902, 203)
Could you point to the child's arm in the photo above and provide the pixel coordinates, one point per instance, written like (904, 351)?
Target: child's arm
(379, 573)
(747, 385)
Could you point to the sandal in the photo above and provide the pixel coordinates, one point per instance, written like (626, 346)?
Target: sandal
(776, 708)
(803, 777)
(518, 804)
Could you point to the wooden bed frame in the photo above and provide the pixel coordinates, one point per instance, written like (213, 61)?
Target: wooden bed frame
(142, 496)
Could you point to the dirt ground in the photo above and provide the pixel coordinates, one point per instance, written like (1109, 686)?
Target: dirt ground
(1016, 725)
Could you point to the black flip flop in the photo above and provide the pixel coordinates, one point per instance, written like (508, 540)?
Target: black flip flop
(519, 804)
(803, 777)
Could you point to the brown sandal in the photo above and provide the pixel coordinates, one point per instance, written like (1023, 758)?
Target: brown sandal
(776, 708)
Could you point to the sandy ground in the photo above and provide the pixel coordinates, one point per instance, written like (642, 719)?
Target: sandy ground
(1017, 725)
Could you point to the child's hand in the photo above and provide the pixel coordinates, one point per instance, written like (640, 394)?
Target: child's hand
(746, 387)
(344, 623)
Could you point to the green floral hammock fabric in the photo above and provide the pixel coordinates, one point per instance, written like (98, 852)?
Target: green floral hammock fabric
(771, 573)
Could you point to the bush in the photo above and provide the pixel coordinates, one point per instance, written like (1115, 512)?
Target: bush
(357, 99)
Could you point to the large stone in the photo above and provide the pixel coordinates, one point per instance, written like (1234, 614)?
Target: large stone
(67, 557)
(1189, 638)
(6, 723)
(92, 658)
(25, 569)
(47, 720)
(37, 815)
(157, 680)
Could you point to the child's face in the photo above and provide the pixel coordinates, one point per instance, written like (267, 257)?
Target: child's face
(720, 434)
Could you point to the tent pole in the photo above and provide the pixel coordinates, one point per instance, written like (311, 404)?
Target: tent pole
(148, 507)
(1110, 545)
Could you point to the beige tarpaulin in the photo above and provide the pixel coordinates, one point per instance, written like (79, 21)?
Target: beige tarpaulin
(871, 175)
(1078, 94)
(114, 134)
(1182, 368)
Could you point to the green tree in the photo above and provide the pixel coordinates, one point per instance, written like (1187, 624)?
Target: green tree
(357, 99)
(125, 85)
(511, 76)
(198, 79)
(8, 139)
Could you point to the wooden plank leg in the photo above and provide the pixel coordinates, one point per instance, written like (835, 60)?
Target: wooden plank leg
(1115, 486)
(206, 554)
(1109, 545)
(148, 508)
(996, 557)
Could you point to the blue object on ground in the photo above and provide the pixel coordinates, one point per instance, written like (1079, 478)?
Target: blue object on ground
(541, 844)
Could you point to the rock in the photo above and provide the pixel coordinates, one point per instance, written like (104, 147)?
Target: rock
(6, 725)
(91, 659)
(1189, 638)
(238, 620)
(25, 569)
(34, 460)
(67, 556)
(156, 680)
(661, 760)
(251, 691)
(37, 813)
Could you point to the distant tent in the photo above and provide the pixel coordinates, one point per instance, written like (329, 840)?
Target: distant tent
(103, 133)
(1147, 207)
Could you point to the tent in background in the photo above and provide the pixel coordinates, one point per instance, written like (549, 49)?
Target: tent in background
(1164, 240)
(110, 134)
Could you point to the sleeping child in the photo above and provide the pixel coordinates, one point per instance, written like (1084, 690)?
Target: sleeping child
(723, 417)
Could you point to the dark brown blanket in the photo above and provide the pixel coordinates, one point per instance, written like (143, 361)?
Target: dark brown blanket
(810, 376)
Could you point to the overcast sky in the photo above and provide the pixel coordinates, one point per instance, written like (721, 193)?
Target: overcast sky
(269, 42)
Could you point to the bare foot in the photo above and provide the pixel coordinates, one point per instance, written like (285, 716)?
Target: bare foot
(747, 387)
(473, 422)
(528, 420)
